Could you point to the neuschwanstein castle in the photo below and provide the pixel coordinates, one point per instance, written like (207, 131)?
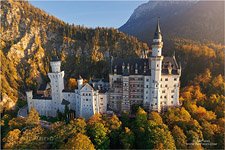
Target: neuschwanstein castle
(153, 82)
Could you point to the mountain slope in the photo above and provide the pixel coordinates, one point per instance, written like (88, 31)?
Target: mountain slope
(29, 37)
(196, 20)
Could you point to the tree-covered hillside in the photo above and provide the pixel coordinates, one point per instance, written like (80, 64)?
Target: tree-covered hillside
(30, 37)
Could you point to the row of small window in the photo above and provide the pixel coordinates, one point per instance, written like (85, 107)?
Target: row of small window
(162, 86)
(56, 76)
(164, 91)
(166, 96)
(162, 97)
(166, 79)
(139, 79)
(137, 90)
(86, 94)
(136, 96)
(117, 97)
(86, 99)
(136, 85)
(86, 105)
(162, 103)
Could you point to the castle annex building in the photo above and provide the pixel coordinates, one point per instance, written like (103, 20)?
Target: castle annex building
(153, 82)
(86, 100)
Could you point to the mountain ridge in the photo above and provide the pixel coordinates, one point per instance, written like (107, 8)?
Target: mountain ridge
(196, 20)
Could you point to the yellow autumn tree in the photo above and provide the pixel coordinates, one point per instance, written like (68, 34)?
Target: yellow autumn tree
(72, 83)
(79, 142)
(12, 138)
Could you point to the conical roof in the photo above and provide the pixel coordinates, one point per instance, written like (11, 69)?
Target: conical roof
(158, 34)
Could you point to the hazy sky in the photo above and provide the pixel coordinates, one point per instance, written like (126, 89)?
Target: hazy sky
(90, 13)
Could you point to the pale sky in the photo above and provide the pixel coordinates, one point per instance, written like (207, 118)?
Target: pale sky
(90, 13)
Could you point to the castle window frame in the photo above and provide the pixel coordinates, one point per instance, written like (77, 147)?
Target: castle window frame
(175, 79)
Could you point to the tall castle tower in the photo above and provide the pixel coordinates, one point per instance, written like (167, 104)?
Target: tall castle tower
(156, 68)
(57, 83)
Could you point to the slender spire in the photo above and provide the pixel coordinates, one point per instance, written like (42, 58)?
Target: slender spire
(79, 77)
(158, 34)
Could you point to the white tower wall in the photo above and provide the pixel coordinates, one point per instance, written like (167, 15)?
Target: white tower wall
(156, 70)
(80, 83)
(29, 95)
(57, 85)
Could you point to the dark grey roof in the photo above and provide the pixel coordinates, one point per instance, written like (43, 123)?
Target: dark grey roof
(42, 87)
(95, 80)
(102, 91)
(65, 102)
(143, 66)
(98, 79)
(41, 97)
(55, 58)
(68, 91)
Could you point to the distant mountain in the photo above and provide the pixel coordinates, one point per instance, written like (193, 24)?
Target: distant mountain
(30, 37)
(196, 20)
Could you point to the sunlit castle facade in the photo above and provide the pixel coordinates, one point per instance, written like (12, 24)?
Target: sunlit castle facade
(153, 82)
(85, 100)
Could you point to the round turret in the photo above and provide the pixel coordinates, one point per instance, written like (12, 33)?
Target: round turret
(80, 82)
(157, 41)
(55, 64)
(29, 94)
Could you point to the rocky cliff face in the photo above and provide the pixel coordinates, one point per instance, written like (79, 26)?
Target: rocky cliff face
(29, 37)
(196, 20)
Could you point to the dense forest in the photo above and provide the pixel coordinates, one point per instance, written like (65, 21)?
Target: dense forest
(198, 124)
(29, 37)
